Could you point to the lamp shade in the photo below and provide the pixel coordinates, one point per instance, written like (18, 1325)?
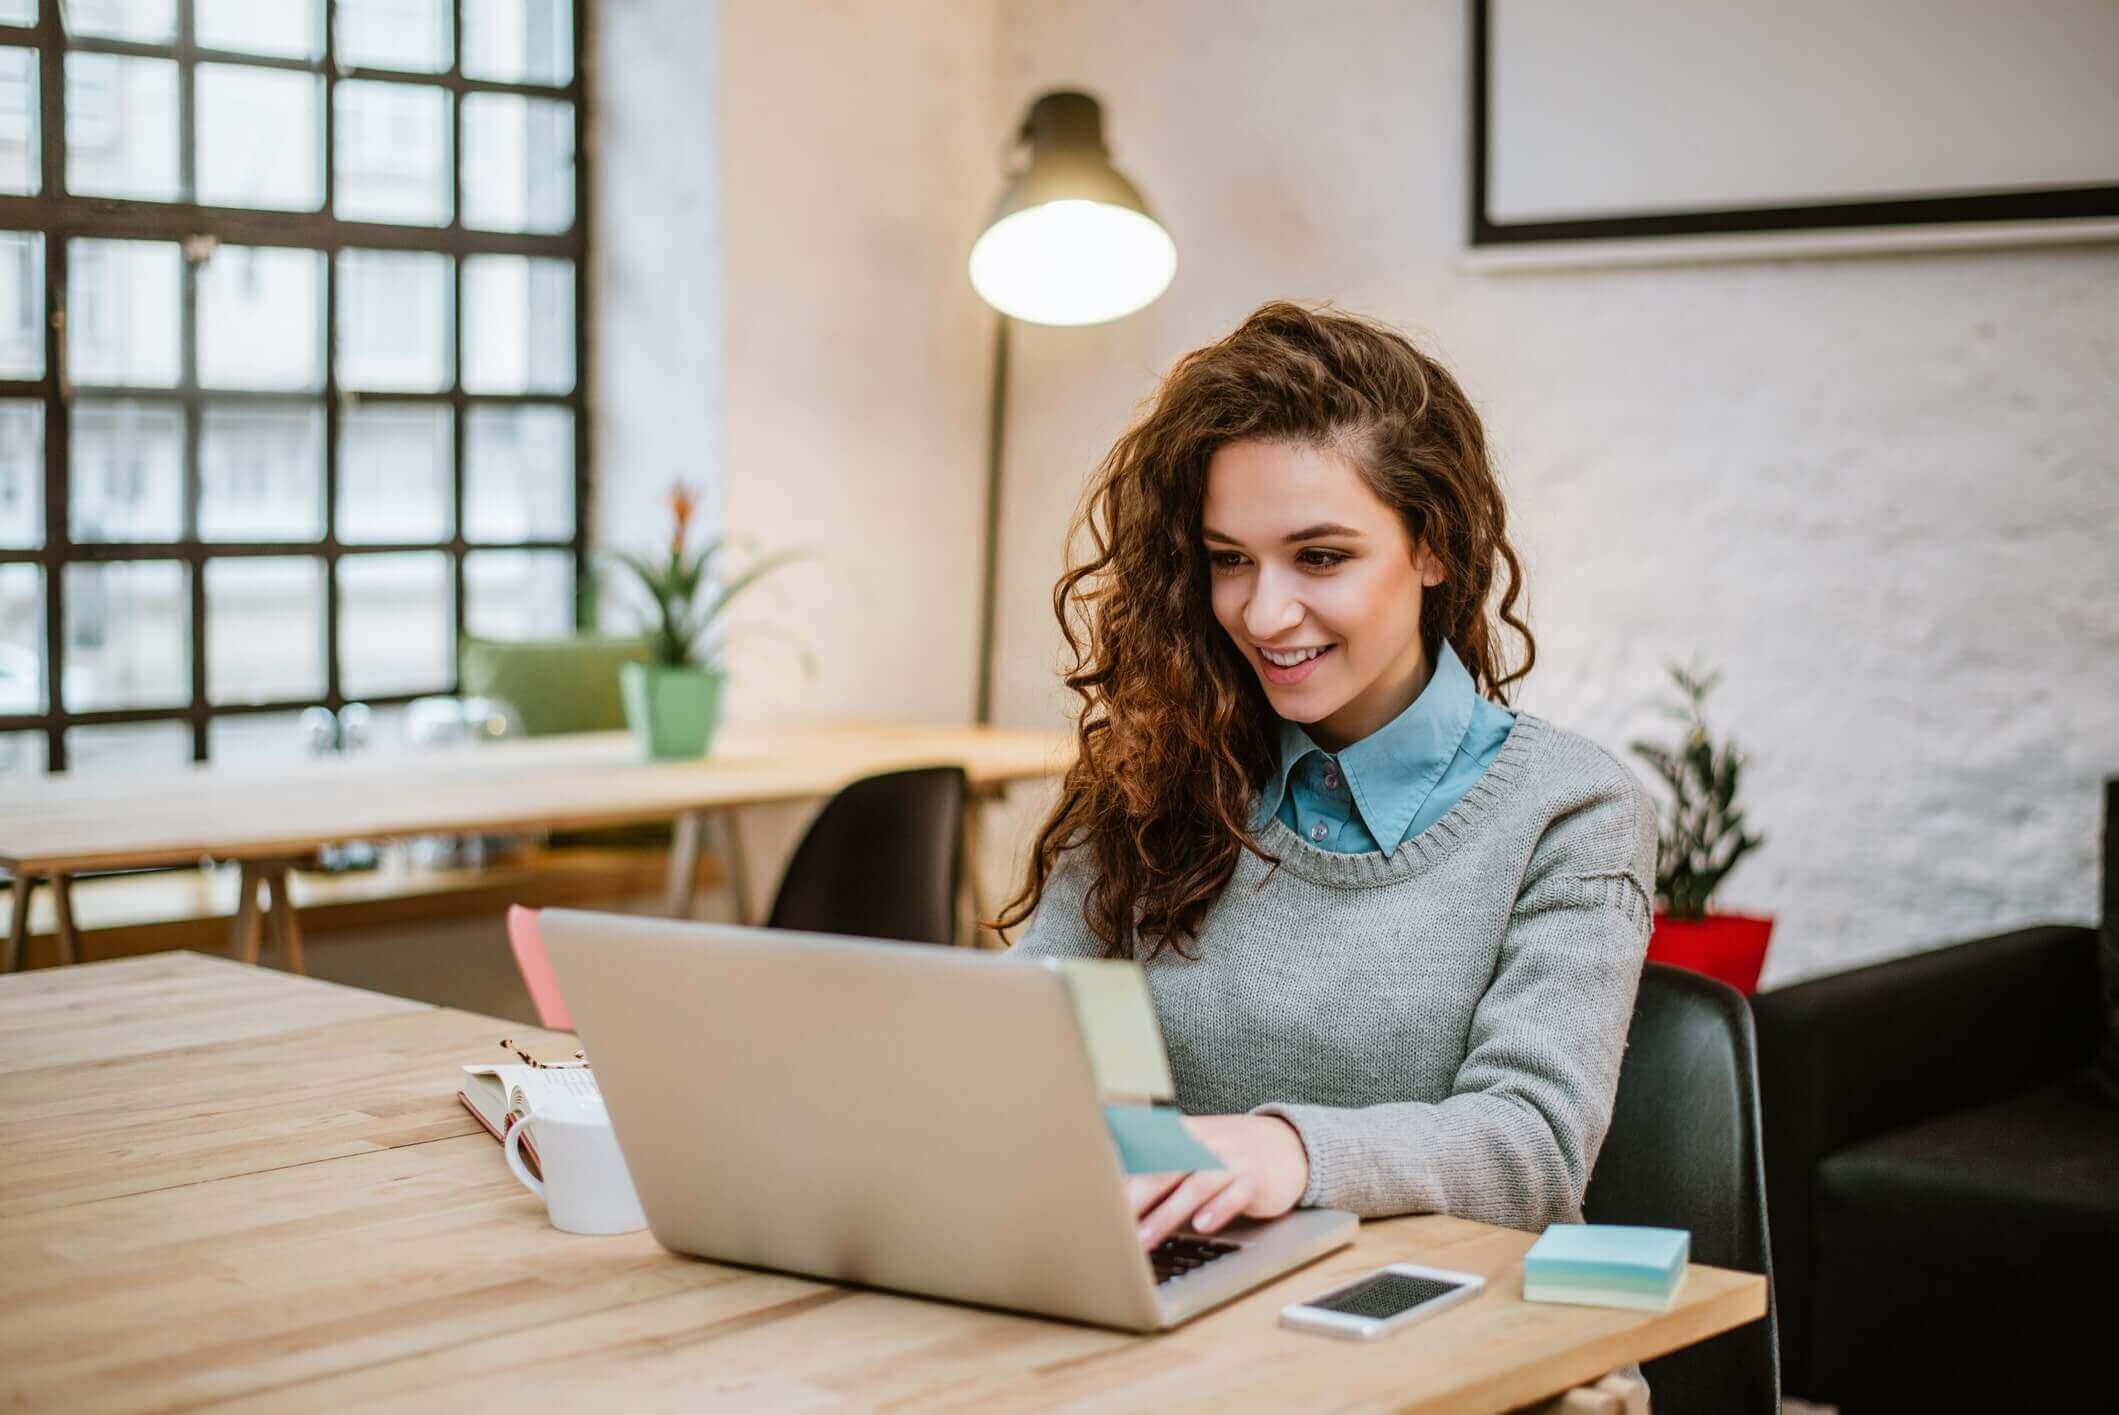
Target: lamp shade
(1071, 241)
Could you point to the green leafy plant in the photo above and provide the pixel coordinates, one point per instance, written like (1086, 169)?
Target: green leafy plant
(686, 600)
(1703, 836)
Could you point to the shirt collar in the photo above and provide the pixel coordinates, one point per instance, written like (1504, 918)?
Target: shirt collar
(1394, 769)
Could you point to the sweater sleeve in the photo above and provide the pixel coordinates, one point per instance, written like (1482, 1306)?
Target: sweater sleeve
(1514, 1141)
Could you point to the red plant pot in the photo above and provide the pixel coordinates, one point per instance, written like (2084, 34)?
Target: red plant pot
(1731, 947)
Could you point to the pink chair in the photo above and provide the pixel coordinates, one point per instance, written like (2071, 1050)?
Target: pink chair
(536, 968)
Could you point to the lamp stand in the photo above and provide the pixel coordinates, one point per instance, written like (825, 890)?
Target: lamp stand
(996, 426)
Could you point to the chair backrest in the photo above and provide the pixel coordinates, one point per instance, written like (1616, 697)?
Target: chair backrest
(557, 685)
(1684, 1152)
(882, 860)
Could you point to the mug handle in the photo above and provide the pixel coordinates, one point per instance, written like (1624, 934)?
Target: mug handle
(513, 1150)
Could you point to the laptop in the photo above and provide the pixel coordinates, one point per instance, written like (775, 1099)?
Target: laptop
(894, 1115)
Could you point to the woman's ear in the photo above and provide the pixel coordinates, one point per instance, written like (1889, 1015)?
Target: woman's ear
(1429, 566)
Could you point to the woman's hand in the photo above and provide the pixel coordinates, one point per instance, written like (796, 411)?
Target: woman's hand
(1267, 1171)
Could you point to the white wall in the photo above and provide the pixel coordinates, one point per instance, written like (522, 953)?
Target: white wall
(1881, 494)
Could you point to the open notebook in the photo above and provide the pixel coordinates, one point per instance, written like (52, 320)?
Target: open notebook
(500, 1095)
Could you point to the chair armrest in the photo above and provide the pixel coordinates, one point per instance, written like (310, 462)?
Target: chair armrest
(1857, 1053)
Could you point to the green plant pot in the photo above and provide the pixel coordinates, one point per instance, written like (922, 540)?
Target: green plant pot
(672, 711)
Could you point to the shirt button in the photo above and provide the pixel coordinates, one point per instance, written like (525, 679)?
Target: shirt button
(1319, 831)
(1331, 781)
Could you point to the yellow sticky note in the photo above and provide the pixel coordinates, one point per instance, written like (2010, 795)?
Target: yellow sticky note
(1118, 1023)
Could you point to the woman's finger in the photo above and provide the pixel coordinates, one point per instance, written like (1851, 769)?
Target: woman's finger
(1145, 1191)
(1184, 1201)
(1217, 1211)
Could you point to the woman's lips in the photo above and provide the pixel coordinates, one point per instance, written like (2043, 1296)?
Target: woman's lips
(1288, 677)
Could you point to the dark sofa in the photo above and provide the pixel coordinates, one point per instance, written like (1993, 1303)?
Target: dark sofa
(1942, 1174)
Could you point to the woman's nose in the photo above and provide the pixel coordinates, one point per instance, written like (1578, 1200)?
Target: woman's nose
(1271, 609)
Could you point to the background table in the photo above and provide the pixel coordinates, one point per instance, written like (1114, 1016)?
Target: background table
(268, 817)
(223, 1183)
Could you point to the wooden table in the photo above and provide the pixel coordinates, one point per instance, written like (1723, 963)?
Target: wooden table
(223, 1183)
(271, 817)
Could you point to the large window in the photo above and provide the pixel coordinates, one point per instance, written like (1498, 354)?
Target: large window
(290, 335)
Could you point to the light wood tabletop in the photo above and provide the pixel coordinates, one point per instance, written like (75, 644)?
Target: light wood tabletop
(220, 1184)
(267, 816)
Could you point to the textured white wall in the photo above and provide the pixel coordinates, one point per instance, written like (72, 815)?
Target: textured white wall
(1881, 494)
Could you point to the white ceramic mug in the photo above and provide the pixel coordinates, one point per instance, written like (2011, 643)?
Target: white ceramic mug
(586, 1188)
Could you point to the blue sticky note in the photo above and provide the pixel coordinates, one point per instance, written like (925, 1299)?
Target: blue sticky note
(1152, 1139)
(1606, 1265)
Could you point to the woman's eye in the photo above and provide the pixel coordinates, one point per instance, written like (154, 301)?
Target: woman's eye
(1224, 559)
(1317, 559)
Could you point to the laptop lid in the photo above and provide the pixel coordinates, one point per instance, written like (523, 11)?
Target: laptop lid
(896, 1115)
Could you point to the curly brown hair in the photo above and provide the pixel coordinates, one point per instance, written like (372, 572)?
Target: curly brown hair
(1175, 734)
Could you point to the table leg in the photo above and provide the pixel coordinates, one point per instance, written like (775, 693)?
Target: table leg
(738, 867)
(69, 937)
(286, 930)
(18, 921)
(684, 866)
(244, 933)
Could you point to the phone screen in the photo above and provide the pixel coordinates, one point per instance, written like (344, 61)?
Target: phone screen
(1385, 1295)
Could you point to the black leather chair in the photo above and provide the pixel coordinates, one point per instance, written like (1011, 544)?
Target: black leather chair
(1684, 1152)
(882, 860)
(1944, 1173)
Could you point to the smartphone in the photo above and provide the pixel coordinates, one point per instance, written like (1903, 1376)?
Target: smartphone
(1382, 1302)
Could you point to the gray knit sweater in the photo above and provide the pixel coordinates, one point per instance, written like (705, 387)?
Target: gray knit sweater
(1442, 1024)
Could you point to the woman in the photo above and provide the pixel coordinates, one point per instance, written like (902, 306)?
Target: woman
(1392, 929)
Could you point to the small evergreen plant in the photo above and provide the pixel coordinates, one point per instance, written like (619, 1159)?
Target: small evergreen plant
(1703, 836)
(677, 628)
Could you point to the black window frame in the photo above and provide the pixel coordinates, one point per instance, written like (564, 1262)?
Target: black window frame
(61, 217)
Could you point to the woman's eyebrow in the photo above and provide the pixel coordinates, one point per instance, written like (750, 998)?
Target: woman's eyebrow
(1317, 532)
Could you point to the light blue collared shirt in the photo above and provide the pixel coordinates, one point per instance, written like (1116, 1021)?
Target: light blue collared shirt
(1398, 780)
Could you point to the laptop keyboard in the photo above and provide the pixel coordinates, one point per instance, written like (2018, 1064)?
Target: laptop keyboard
(1184, 1253)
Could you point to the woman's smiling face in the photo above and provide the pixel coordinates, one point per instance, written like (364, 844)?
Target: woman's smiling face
(1318, 584)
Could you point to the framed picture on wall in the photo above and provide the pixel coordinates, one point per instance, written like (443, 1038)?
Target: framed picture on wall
(1802, 125)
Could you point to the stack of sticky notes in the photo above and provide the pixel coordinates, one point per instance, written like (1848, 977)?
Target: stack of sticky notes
(1607, 1265)
(1125, 1046)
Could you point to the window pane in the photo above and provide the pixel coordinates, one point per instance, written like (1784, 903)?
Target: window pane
(21, 473)
(518, 163)
(132, 746)
(154, 21)
(396, 621)
(518, 594)
(21, 304)
(260, 737)
(21, 149)
(393, 321)
(18, 12)
(121, 127)
(393, 474)
(21, 639)
(393, 153)
(21, 753)
(518, 324)
(261, 318)
(125, 479)
(261, 474)
(264, 629)
(394, 34)
(261, 138)
(124, 313)
(519, 41)
(292, 29)
(519, 474)
(128, 635)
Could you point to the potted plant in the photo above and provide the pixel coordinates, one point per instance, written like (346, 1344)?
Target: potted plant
(673, 700)
(1700, 843)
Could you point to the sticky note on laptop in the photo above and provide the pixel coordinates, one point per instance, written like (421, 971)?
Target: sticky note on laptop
(1118, 1024)
(1152, 1139)
(1607, 1265)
